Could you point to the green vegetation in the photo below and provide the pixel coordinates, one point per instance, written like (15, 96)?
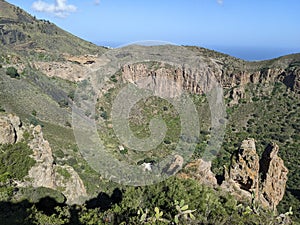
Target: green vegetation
(1, 109)
(172, 201)
(64, 173)
(12, 72)
(14, 165)
(15, 160)
(34, 195)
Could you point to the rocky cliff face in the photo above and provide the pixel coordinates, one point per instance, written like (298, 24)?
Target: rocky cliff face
(73, 68)
(291, 78)
(245, 77)
(196, 82)
(243, 179)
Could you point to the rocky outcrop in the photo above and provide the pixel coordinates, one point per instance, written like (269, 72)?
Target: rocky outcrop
(274, 177)
(200, 170)
(244, 169)
(245, 77)
(72, 185)
(174, 166)
(7, 132)
(248, 177)
(42, 173)
(236, 94)
(11, 36)
(74, 68)
(46, 173)
(83, 60)
(65, 70)
(10, 129)
(242, 180)
(291, 79)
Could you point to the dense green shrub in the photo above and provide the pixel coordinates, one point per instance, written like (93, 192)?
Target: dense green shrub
(208, 205)
(12, 72)
(34, 195)
(2, 109)
(63, 103)
(15, 160)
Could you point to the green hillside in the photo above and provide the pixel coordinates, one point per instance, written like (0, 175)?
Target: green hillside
(264, 107)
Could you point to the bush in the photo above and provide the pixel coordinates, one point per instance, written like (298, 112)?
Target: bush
(2, 109)
(12, 72)
(71, 95)
(104, 115)
(63, 103)
(16, 156)
(34, 121)
(211, 206)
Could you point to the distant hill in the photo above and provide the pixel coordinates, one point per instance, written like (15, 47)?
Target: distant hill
(19, 31)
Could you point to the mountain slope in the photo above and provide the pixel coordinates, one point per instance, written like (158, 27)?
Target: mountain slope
(25, 34)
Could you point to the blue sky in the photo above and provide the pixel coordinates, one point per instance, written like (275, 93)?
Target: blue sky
(249, 29)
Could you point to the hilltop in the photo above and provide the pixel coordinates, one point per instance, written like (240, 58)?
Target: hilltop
(24, 34)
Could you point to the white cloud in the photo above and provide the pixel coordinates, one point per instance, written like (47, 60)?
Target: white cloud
(97, 2)
(220, 2)
(60, 8)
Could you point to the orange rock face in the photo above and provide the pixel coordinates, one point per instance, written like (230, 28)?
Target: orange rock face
(246, 169)
(274, 177)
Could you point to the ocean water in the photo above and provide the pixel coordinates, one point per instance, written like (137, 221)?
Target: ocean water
(256, 53)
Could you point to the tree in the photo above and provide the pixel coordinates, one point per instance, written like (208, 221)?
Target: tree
(12, 72)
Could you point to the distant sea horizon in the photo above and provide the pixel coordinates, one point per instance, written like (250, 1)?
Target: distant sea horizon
(245, 53)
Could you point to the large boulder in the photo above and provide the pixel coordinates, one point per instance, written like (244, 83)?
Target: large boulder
(200, 170)
(7, 131)
(10, 129)
(174, 166)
